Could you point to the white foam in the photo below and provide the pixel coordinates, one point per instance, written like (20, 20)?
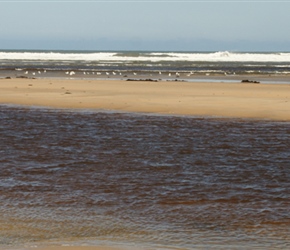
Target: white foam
(223, 56)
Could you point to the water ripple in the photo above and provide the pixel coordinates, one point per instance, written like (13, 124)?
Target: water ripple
(157, 180)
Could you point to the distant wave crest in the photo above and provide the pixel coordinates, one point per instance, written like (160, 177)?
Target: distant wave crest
(220, 56)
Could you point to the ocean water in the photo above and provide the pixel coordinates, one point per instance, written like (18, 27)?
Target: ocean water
(157, 182)
(122, 64)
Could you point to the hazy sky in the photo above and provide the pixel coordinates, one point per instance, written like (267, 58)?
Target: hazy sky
(145, 25)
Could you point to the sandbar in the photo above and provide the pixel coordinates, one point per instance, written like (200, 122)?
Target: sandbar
(203, 99)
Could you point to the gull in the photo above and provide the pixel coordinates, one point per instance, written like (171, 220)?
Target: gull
(44, 71)
(169, 74)
(134, 73)
(107, 73)
(114, 73)
(72, 73)
(26, 72)
(33, 73)
(177, 74)
(67, 73)
(85, 73)
(160, 73)
(39, 72)
(99, 73)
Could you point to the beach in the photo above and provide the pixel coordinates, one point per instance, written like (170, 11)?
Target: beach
(113, 164)
(88, 178)
(203, 99)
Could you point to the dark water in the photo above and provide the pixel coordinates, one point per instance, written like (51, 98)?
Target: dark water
(152, 181)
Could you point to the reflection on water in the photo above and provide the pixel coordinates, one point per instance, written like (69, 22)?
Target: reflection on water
(161, 181)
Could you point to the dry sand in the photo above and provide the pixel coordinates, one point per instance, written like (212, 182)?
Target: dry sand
(239, 100)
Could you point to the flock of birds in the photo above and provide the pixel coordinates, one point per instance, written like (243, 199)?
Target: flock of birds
(71, 73)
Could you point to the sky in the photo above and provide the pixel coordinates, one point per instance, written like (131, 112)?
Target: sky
(145, 25)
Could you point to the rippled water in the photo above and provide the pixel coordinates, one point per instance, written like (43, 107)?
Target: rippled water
(151, 181)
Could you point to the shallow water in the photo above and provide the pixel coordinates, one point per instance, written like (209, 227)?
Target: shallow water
(145, 180)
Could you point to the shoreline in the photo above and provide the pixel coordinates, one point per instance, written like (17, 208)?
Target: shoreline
(202, 99)
(153, 75)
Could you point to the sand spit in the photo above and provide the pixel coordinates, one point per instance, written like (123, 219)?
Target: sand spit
(213, 99)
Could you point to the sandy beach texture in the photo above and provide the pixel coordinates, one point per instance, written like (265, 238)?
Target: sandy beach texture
(235, 100)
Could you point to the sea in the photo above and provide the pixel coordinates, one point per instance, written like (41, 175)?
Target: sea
(190, 66)
(142, 181)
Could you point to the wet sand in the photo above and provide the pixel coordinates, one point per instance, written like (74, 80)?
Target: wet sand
(213, 99)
